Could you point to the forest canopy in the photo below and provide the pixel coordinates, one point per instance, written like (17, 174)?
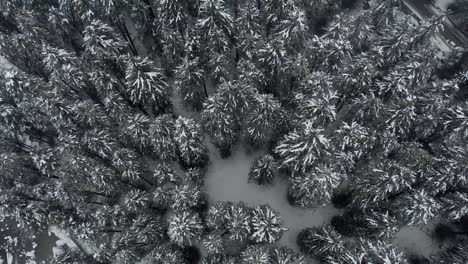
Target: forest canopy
(355, 105)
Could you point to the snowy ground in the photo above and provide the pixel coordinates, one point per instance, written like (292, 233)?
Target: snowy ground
(227, 181)
(416, 240)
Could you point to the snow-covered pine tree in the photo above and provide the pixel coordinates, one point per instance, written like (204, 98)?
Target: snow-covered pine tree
(284, 255)
(267, 225)
(320, 241)
(263, 170)
(191, 84)
(314, 187)
(223, 114)
(258, 254)
(238, 223)
(265, 120)
(301, 149)
(189, 140)
(147, 85)
(185, 228)
(161, 136)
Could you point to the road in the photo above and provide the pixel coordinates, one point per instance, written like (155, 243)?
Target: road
(424, 10)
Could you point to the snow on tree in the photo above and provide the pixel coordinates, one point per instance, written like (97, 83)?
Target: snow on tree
(219, 259)
(214, 244)
(215, 23)
(165, 254)
(191, 84)
(378, 224)
(216, 217)
(239, 222)
(456, 254)
(131, 167)
(137, 132)
(174, 14)
(187, 196)
(294, 29)
(284, 255)
(164, 173)
(301, 149)
(263, 170)
(255, 254)
(248, 28)
(136, 200)
(264, 120)
(454, 205)
(267, 225)
(185, 228)
(272, 68)
(320, 241)
(417, 207)
(318, 107)
(223, 114)
(315, 187)
(147, 84)
(190, 144)
(380, 182)
(215, 27)
(161, 133)
(99, 142)
(221, 121)
(451, 172)
(101, 40)
(350, 256)
(148, 229)
(195, 175)
(161, 198)
(382, 252)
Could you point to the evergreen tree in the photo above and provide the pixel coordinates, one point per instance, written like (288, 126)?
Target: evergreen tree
(255, 254)
(302, 148)
(185, 228)
(264, 170)
(314, 188)
(147, 85)
(267, 225)
(263, 120)
(190, 144)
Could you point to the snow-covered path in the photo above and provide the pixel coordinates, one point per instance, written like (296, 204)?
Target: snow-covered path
(227, 181)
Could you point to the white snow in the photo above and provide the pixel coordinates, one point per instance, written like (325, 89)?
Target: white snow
(226, 180)
(415, 240)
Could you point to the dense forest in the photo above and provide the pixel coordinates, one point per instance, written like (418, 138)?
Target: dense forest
(354, 103)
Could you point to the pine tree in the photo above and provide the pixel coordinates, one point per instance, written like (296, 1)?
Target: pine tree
(190, 84)
(320, 241)
(263, 170)
(223, 114)
(190, 144)
(161, 133)
(255, 254)
(267, 225)
(185, 228)
(284, 255)
(265, 118)
(187, 196)
(316, 187)
(147, 85)
(165, 254)
(238, 221)
(221, 122)
(377, 224)
(302, 148)
(381, 183)
(214, 244)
